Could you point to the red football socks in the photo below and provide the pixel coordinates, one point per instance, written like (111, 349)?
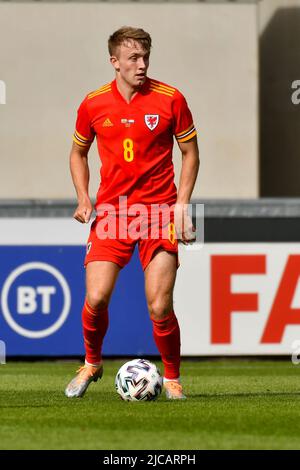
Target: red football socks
(167, 338)
(95, 324)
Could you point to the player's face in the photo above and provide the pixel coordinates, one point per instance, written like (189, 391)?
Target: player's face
(131, 63)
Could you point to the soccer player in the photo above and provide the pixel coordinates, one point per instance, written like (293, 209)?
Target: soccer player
(134, 119)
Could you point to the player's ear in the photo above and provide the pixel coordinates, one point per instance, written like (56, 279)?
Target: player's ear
(115, 63)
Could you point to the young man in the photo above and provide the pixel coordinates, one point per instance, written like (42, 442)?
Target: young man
(134, 119)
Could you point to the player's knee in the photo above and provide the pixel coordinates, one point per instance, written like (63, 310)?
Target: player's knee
(159, 309)
(97, 300)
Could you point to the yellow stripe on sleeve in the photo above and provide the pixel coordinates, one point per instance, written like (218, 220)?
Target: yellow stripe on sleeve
(100, 91)
(81, 136)
(78, 142)
(185, 131)
(163, 87)
(189, 137)
(157, 90)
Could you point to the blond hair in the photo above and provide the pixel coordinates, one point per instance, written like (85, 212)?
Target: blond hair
(127, 33)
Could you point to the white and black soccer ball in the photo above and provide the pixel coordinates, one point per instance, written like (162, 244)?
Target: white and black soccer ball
(139, 380)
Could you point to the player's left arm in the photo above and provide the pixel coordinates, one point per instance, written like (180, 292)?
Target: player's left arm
(189, 169)
(188, 175)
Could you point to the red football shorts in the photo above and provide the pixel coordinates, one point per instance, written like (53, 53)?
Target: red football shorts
(113, 238)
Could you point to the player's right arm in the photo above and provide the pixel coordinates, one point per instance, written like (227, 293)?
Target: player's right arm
(83, 138)
(81, 175)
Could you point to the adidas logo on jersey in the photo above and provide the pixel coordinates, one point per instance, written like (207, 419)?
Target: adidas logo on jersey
(107, 123)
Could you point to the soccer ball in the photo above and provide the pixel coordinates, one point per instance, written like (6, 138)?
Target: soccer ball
(138, 380)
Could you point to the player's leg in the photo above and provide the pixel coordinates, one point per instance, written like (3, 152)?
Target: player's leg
(101, 277)
(160, 276)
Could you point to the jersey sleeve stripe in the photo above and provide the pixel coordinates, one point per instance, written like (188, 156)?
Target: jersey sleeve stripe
(157, 90)
(181, 134)
(164, 87)
(189, 136)
(90, 95)
(78, 142)
(81, 137)
(100, 91)
(155, 85)
(158, 87)
(101, 88)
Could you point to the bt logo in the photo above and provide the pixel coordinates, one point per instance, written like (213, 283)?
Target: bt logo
(35, 300)
(27, 299)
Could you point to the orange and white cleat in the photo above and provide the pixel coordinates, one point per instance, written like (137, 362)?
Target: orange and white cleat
(173, 390)
(85, 375)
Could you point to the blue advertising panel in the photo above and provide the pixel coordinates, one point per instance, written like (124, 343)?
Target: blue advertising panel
(42, 293)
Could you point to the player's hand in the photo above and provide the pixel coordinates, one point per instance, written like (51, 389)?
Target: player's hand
(185, 230)
(83, 211)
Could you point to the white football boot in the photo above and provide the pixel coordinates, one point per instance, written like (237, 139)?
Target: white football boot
(173, 390)
(85, 375)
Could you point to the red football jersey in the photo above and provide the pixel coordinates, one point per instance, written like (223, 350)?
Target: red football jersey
(135, 141)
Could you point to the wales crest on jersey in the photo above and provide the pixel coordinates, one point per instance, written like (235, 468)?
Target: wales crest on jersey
(151, 121)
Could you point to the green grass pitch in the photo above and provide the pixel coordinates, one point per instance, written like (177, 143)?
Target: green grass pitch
(232, 404)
